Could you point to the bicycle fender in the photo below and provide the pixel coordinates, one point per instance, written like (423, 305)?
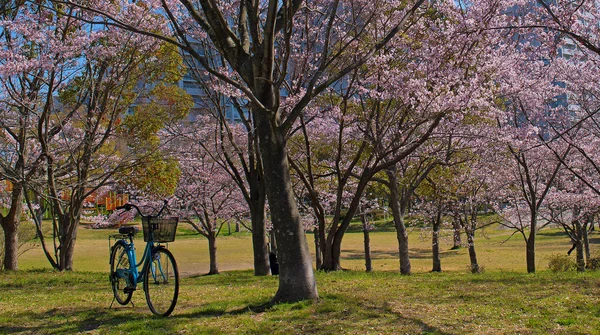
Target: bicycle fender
(158, 247)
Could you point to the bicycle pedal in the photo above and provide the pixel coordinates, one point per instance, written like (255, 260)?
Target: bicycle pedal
(128, 290)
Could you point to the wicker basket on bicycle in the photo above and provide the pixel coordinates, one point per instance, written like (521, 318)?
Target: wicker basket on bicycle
(164, 228)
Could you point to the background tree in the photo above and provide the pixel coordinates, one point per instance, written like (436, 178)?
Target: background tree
(39, 53)
(246, 35)
(206, 194)
(573, 206)
(242, 160)
(79, 140)
(384, 112)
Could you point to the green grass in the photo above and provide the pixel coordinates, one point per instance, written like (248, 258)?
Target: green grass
(495, 251)
(34, 302)
(502, 300)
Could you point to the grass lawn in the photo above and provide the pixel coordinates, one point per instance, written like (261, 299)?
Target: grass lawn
(502, 300)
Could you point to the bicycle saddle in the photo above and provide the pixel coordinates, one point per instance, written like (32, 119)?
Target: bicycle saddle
(129, 230)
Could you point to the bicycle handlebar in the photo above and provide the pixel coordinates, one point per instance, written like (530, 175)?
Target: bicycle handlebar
(127, 207)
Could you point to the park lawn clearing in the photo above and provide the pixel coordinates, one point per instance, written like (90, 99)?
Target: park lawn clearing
(351, 302)
(502, 300)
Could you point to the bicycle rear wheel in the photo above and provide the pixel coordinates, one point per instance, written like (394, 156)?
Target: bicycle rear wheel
(161, 282)
(119, 264)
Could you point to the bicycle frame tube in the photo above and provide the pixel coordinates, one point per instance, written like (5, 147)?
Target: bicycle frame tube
(146, 257)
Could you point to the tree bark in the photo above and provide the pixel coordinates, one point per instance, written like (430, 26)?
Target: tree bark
(259, 238)
(530, 250)
(530, 245)
(318, 257)
(586, 246)
(67, 240)
(212, 251)
(367, 242)
(296, 275)
(11, 246)
(435, 244)
(10, 226)
(472, 254)
(457, 240)
(398, 214)
(579, 247)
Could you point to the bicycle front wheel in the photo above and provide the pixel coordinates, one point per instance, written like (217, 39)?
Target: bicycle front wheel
(161, 282)
(119, 266)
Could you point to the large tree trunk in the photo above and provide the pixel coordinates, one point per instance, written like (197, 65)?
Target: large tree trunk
(332, 254)
(212, 251)
(259, 238)
(67, 239)
(10, 226)
(296, 275)
(401, 232)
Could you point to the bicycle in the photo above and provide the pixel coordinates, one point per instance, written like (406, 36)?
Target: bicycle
(157, 269)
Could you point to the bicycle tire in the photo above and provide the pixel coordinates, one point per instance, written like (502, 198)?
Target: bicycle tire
(119, 261)
(161, 282)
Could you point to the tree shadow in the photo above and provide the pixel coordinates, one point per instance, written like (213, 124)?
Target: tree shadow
(59, 321)
(326, 320)
(357, 254)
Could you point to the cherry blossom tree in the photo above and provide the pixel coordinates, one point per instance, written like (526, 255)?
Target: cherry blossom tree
(70, 83)
(207, 195)
(259, 42)
(570, 31)
(242, 159)
(37, 57)
(574, 206)
(384, 112)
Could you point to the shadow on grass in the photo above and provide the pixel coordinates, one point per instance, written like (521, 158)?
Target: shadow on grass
(331, 314)
(357, 254)
(64, 321)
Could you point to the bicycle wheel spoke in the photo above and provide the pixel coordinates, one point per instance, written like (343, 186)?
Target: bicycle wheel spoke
(161, 283)
(119, 270)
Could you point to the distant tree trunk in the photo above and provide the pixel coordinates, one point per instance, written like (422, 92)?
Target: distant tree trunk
(272, 241)
(10, 226)
(580, 247)
(318, 258)
(530, 243)
(212, 251)
(367, 241)
(259, 237)
(586, 239)
(435, 242)
(457, 240)
(472, 255)
(333, 244)
(398, 210)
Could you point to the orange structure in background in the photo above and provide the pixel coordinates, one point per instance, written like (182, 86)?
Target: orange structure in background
(9, 186)
(113, 200)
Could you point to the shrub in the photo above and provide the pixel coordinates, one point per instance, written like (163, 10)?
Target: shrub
(479, 270)
(561, 263)
(593, 263)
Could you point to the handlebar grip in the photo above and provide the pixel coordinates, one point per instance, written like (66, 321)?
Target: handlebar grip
(126, 207)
